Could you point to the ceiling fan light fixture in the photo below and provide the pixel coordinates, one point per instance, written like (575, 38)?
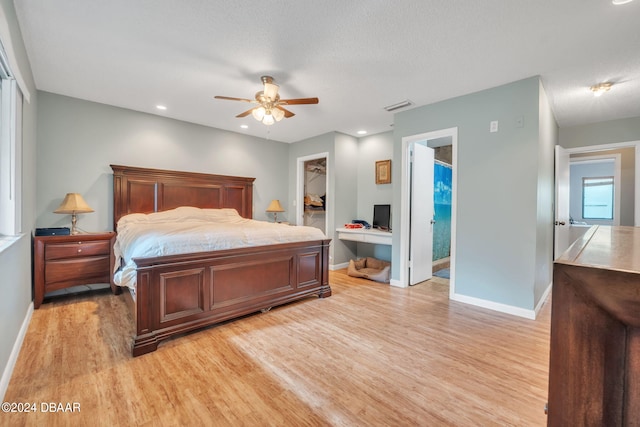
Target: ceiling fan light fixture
(268, 120)
(600, 88)
(269, 107)
(271, 91)
(277, 114)
(258, 113)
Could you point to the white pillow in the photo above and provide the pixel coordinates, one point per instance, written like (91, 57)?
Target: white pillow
(182, 214)
(224, 213)
(132, 219)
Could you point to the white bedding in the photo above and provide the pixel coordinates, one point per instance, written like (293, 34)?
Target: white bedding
(189, 229)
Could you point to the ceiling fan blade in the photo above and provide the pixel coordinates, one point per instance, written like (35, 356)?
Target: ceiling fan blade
(229, 98)
(287, 113)
(299, 101)
(245, 114)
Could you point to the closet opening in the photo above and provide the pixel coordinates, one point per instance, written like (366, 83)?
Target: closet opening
(312, 192)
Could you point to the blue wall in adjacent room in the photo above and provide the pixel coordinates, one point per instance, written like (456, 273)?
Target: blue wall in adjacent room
(442, 181)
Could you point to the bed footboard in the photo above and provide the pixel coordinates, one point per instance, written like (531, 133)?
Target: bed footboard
(180, 293)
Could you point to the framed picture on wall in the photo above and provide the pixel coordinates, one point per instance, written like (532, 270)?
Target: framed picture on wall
(383, 172)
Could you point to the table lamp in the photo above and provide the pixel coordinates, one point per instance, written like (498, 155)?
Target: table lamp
(73, 204)
(275, 207)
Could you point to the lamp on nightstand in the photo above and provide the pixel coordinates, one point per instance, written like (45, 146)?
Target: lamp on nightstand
(275, 207)
(73, 204)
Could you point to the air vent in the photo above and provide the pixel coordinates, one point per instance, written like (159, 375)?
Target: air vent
(399, 105)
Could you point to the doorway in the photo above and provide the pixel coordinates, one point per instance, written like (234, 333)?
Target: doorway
(312, 188)
(443, 138)
(565, 232)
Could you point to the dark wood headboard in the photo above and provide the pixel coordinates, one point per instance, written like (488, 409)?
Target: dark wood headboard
(140, 190)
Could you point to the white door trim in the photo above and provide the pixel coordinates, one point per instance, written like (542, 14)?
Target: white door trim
(561, 215)
(405, 200)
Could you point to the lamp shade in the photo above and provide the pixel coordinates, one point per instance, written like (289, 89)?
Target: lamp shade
(258, 113)
(73, 203)
(275, 206)
(268, 119)
(277, 114)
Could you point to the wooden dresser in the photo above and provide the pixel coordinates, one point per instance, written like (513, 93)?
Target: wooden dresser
(594, 369)
(60, 262)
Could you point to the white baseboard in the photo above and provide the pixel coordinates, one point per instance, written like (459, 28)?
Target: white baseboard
(397, 283)
(496, 306)
(15, 351)
(338, 266)
(543, 299)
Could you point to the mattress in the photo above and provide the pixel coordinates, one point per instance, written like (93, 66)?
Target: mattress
(188, 230)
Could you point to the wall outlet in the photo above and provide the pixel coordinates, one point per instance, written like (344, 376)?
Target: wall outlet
(493, 126)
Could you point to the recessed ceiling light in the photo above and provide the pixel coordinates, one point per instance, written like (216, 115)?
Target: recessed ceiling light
(244, 126)
(619, 2)
(161, 107)
(362, 132)
(600, 88)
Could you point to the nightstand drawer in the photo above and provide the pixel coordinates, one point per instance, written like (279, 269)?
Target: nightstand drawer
(78, 269)
(61, 262)
(76, 249)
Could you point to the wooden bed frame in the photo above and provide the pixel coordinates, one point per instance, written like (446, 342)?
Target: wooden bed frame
(180, 293)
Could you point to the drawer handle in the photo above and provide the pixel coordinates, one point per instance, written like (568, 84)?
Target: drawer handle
(79, 250)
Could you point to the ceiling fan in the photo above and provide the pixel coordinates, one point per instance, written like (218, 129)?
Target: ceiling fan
(270, 107)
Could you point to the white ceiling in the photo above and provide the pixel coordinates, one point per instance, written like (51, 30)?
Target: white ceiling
(357, 56)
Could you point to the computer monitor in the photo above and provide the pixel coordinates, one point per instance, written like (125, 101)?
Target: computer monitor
(382, 217)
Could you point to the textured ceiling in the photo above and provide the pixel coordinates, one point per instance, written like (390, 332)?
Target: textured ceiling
(357, 56)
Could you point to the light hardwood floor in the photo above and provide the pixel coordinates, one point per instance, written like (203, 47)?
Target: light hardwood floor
(370, 355)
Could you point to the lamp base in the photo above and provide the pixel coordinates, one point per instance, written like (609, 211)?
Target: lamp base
(74, 219)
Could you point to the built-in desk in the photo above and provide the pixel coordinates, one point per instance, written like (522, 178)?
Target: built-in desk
(365, 235)
(594, 369)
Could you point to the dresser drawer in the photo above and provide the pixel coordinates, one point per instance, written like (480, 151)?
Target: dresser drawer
(77, 270)
(76, 249)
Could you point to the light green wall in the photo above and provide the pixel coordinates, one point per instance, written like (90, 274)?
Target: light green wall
(15, 261)
(500, 190)
(371, 149)
(80, 139)
(609, 132)
(346, 191)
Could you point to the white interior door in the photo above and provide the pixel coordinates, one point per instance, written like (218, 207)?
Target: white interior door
(562, 220)
(422, 214)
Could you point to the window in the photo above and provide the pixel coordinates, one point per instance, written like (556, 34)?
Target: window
(597, 197)
(10, 150)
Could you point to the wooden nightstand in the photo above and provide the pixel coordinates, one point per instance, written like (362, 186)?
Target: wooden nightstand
(61, 262)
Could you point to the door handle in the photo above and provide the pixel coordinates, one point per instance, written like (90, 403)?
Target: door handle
(560, 223)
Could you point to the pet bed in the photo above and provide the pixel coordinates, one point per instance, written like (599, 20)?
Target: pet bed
(370, 268)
